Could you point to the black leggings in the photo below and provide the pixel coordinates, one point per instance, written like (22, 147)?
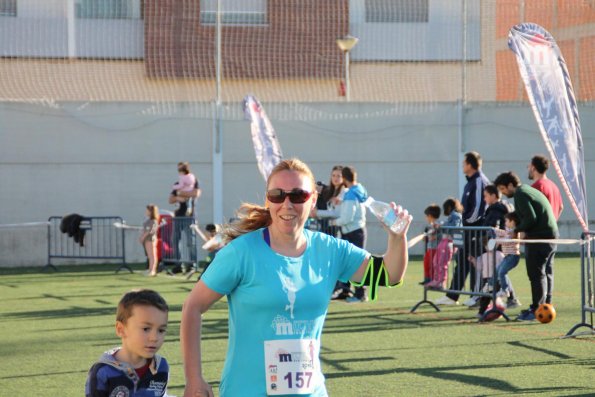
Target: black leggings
(357, 238)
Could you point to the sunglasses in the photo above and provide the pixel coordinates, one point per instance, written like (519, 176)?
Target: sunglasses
(296, 196)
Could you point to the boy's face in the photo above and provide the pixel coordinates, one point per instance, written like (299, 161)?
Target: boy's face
(509, 223)
(489, 198)
(142, 335)
(430, 219)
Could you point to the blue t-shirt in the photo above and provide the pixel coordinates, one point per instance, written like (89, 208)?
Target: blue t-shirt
(274, 297)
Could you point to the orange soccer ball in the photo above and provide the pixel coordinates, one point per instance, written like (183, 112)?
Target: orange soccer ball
(545, 313)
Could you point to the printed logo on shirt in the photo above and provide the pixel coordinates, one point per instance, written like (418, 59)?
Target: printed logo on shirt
(285, 327)
(305, 359)
(291, 290)
(157, 387)
(120, 391)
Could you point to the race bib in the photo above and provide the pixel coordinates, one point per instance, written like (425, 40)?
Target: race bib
(292, 366)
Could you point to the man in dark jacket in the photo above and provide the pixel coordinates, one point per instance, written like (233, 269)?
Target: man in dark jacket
(537, 221)
(473, 212)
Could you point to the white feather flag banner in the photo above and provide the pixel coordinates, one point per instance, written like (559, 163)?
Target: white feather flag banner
(550, 92)
(266, 146)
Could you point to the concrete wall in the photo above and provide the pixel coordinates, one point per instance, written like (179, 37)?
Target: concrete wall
(110, 159)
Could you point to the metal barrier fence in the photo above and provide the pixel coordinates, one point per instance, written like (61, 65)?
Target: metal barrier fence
(100, 240)
(177, 242)
(465, 242)
(587, 285)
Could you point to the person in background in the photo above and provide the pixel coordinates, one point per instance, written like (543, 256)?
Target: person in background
(512, 256)
(352, 220)
(537, 221)
(486, 265)
(329, 199)
(496, 209)
(214, 240)
(278, 277)
(186, 179)
(185, 202)
(328, 208)
(452, 209)
(148, 237)
(537, 169)
(473, 211)
(432, 213)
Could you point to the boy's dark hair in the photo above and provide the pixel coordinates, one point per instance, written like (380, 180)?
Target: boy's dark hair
(349, 173)
(506, 178)
(513, 216)
(473, 159)
(139, 297)
(211, 227)
(452, 204)
(493, 190)
(541, 163)
(433, 210)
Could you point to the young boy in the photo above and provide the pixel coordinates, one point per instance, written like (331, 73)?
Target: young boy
(134, 369)
(495, 207)
(432, 213)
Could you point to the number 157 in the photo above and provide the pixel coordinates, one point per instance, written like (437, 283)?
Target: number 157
(300, 379)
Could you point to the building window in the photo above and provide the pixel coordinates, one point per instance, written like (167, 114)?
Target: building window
(397, 11)
(415, 30)
(8, 8)
(109, 9)
(234, 12)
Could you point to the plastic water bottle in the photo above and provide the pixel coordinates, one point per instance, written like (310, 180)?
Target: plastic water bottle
(386, 214)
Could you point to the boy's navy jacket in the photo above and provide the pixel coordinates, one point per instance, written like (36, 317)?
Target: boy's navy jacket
(494, 215)
(111, 378)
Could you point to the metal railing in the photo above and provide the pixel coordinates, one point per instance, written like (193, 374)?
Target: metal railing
(177, 242)
(467, 242)
(99, 239)
(587, 286)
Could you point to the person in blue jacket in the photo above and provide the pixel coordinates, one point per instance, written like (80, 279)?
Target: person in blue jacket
(352, 220)
(278, 278)
(134, 369)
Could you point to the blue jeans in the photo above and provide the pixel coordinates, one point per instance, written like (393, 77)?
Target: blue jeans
(508, 263)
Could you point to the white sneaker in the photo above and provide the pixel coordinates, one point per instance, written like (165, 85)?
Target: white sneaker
(471, 301)
(445, 300)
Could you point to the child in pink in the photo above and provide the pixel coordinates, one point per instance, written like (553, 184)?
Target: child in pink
(444, 251)
(186, 179)
(432, 214)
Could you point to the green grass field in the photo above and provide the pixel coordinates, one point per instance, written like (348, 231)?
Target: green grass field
(54, 325)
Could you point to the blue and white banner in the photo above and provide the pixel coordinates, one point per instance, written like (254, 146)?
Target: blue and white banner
(266, 146)
(550, 92)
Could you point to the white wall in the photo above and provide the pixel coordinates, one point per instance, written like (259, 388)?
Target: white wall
(111, 160)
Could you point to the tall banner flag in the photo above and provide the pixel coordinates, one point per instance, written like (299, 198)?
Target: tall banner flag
(266, 146)
(550, 92)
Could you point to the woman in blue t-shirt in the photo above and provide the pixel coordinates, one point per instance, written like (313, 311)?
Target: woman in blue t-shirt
(278, 278)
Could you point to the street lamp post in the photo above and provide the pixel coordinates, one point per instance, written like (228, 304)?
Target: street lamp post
(345, 44)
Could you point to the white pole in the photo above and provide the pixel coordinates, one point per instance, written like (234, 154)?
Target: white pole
(463, 100)
(217, 144)
(70, 21)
